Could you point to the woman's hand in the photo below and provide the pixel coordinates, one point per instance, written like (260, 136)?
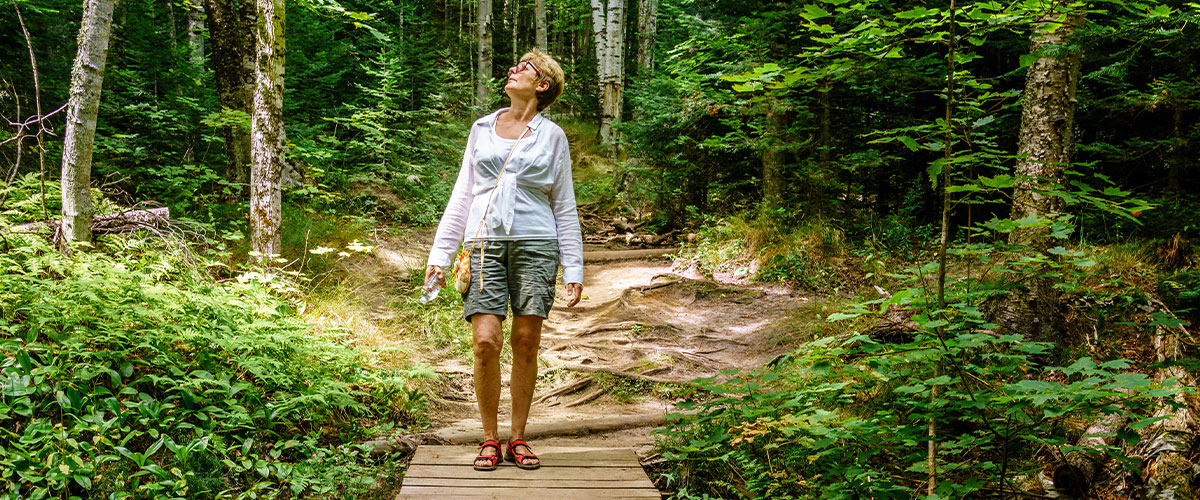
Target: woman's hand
(574, 293)
(432, 270)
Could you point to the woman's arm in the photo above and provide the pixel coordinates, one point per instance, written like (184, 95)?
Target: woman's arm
(566, 217)
(454, 220)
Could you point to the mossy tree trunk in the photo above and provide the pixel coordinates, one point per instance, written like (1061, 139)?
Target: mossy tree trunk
(1033, 308)
(231, 32)
(647, 27)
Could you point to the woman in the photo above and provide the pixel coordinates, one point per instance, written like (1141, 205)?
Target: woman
(525, 222)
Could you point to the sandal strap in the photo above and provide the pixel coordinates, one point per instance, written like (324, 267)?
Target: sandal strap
(490, 442)
(512, 449)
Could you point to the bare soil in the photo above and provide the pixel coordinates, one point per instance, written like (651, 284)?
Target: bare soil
(612, 366)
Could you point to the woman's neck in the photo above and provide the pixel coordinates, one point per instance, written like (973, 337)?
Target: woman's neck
(521, 111)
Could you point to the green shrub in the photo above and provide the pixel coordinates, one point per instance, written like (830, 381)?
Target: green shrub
(849, 418)
(136, 377)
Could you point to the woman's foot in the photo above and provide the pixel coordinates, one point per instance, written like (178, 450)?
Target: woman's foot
(489, 456)
(518, 452)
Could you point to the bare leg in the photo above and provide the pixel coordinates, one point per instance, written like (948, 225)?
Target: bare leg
(488, 337)
(526, 338)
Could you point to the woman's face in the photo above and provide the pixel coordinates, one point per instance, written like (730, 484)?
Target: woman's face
(523, 80)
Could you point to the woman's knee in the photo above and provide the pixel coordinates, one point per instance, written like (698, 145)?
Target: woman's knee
(488, 336)
(526, 336)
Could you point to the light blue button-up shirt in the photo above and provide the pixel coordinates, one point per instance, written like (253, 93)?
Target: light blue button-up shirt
(533, 200)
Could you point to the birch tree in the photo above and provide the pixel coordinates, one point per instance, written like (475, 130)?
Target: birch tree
(539, 20)
(608, 33)
(266, 130)
(483, 94)
(231, 31)
(87, 78)
(601, 46)
(615, 77)
(1045, 142)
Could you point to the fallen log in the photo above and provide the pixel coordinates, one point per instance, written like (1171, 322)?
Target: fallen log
(124, 222)
(1077, 475)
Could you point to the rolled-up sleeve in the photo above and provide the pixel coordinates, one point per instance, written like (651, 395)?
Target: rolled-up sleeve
(454, 220)
(566, 216)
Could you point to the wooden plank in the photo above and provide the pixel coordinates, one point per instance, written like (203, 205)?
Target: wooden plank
(567, 473)
(436, 492)
(512, 472)
(551, 484)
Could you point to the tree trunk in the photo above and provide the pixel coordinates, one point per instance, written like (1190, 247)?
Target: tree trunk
(773, 154)
(1033, 309)
(1175, 168)
(539, 18)
(601, 47)
(231, 32)
(266, 131)
(647, 26)
(483, 85)
(614, 77)
(87, 78)
(515, 6)
(195, 29)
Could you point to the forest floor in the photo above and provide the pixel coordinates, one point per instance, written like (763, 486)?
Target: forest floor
(610, 367)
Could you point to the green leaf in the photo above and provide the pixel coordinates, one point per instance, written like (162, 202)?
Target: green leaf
(1001, 181)
(909, 142)
(911, 389)
(1147, 422)
(915, 13)
(812, 12)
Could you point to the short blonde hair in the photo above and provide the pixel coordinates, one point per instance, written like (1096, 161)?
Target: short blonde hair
(551, 72)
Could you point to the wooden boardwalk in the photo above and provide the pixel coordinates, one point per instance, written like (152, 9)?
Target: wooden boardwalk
(445, 472)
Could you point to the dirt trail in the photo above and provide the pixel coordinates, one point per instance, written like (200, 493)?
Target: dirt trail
(640, 321)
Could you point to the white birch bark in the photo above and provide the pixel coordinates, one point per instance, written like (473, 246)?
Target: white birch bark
(87, 78)
(539, 15)
(266, 131)
(515, 6)
(483, 91)
(614, 77)
(600, 43)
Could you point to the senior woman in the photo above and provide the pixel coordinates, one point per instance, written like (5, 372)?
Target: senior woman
(515, 202)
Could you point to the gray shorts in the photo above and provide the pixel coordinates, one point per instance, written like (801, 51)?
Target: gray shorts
(521, 271)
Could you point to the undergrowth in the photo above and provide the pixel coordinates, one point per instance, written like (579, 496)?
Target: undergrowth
(849, 414)
(128, 373)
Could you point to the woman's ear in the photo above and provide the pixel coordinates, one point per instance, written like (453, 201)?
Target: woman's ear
(542, 86)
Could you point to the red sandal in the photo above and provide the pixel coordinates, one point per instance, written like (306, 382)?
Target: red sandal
(493, 460)
(510, 454)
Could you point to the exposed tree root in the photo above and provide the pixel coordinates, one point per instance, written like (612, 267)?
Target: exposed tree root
(565, 389)
(622, 373)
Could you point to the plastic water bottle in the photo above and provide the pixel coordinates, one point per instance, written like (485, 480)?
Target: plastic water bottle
(431, 289)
